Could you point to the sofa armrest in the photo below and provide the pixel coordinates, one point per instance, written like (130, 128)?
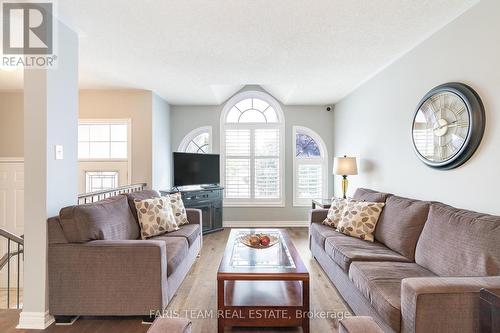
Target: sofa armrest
(443, 304)
(317, 215)
(194, 216)
(127, 277)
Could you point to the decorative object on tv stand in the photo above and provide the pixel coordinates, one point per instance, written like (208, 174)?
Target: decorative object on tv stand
(448, 125)
(345, 166)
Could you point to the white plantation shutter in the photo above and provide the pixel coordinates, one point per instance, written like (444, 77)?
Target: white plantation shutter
(310, 167)
(267, 153)
(237, 178)
(237, 173)
(252, 149)
(309, 181)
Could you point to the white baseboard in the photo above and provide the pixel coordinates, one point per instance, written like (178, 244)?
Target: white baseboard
(35, 320)
(264, 224)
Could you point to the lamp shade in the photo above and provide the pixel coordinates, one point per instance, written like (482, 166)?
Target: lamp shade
(345, 166)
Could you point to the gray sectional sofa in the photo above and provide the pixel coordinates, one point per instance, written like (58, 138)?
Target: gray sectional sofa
(424, 271)
(99, 266)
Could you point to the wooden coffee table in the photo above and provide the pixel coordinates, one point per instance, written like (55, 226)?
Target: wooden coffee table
(262, 287)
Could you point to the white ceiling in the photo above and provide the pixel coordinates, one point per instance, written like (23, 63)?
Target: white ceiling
(203, 51)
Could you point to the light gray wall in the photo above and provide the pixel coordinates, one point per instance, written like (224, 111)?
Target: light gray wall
(374, 122)
(161, 146)
(186, 118)
(50, 118)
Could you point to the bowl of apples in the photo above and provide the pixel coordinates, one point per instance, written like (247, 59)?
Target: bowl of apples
(259, 241)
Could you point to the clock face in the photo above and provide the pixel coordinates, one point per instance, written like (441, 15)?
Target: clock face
(441, 127)
(448, 125)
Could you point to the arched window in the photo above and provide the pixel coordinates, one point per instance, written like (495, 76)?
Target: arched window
(310, 167)
(252, 150)
(197, 141)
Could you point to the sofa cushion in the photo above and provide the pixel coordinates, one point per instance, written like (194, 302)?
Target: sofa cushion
(344, 250)
(55, 233)
(140, 195)
(188, 231)
(359, 219)
(320, 232)
(108, 219)
(335, 212)
(457, 242)
(177, 251)
(364, 194)
(358, 324)
(178, 208)
(401, 223)
(155, 216)
(380, 283)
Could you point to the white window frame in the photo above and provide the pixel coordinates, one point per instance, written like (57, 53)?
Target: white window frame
(323, 161)
(193, 134)
(84, 121)
(253, 202)
(128, 121)
(87, 176)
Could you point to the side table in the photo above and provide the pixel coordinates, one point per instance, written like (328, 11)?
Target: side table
(321, 203)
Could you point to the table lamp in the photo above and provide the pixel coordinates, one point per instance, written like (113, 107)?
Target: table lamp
(345, 166)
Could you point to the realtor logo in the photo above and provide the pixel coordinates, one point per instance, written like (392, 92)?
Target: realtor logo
(27, 28)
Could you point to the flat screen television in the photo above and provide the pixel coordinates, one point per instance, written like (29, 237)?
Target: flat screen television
(196, 169)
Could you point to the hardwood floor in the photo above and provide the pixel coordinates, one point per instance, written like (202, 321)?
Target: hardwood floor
(197, 297)
(12, 300)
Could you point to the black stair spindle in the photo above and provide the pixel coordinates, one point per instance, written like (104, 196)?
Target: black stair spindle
(18, 271)
(8, 273)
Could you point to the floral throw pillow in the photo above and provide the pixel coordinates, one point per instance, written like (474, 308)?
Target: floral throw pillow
(178, 209)
(359, 219)
(335, 212)
(155, 216)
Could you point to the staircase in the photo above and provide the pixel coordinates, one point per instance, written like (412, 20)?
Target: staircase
(11, 269)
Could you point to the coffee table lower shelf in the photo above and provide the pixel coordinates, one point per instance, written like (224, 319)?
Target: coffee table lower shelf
(263, 303)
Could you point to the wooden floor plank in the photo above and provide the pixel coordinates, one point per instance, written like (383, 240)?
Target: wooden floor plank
(197, 297)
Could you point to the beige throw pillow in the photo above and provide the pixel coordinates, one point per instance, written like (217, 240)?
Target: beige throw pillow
(359, 219)
(155, 216)
(178, 209)
(335, 212)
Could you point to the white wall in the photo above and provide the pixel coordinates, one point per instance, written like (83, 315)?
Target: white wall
(161, 146)
(186, 118)
(374, 122)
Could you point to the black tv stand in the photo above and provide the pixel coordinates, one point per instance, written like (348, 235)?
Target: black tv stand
(209, 186)
(208, 199)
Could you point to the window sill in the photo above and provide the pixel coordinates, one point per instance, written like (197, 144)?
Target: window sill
(301, 205)
(253, 205)
(103, 160)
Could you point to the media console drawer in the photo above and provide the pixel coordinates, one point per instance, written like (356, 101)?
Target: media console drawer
(201, 195)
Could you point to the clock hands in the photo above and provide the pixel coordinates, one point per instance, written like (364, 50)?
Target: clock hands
(446, 125)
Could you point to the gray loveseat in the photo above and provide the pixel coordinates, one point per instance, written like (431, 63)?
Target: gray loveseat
(424, 271)
(99, 266)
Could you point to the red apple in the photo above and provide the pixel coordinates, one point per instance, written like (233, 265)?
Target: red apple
(264, 240)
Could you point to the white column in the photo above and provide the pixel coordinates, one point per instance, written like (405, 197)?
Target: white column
(50, 119)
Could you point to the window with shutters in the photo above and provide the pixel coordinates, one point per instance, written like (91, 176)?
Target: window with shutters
(252, 151)
(310, 167)
(197, 141)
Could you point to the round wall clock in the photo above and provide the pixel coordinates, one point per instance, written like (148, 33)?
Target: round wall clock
(448, 125)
